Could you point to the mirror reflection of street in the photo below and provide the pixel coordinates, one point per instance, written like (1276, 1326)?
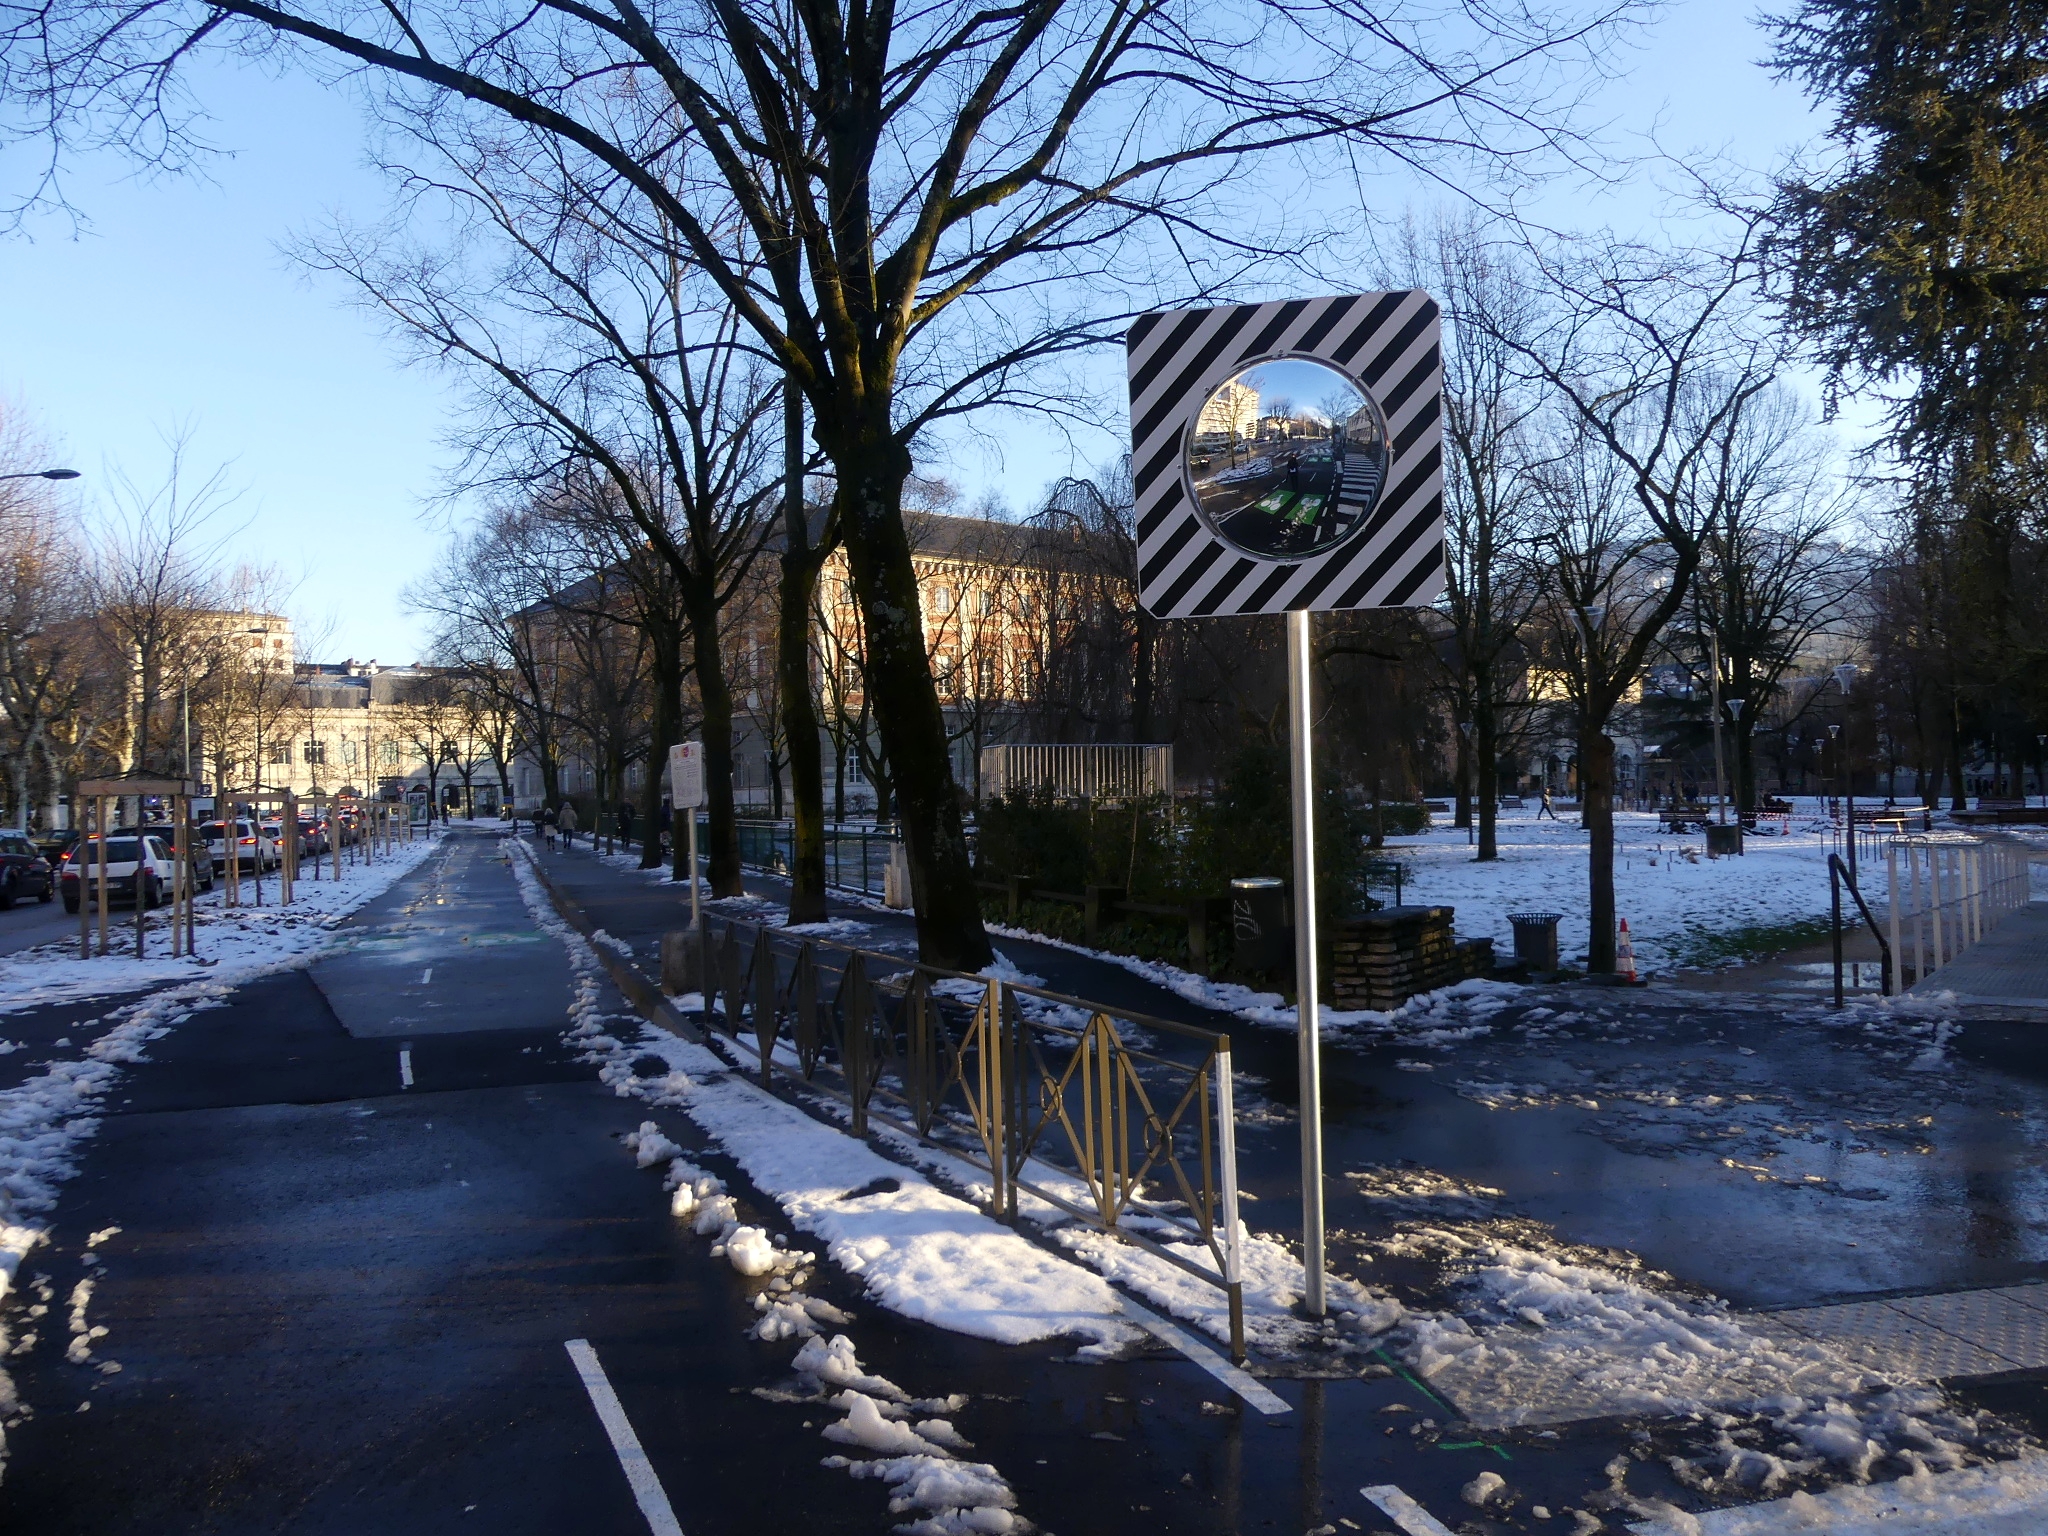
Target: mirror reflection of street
(1287, 459)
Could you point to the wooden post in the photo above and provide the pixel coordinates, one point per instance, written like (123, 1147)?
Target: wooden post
(141, 884)
(81, 858)
(99, 820)
(181, 877)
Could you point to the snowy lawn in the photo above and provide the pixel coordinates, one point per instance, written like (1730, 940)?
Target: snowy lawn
(1682, 908)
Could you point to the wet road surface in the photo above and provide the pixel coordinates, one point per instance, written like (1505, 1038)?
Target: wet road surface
(339, 1304)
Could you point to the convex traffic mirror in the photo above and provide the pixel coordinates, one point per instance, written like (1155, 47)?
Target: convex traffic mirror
(1286, 459)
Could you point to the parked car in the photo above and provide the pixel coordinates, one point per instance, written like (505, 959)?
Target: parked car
(165, 833)
(54, 845)
(274, 830)
(135, 866)
(313, 835)
(23, 871)
(256, 850)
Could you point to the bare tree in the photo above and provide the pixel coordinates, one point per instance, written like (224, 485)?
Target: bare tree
(46, 644)
(1776, 573)
(1490, 409)
(164, 608)
(608, 386)
(1650, 354)
(913, 211)
(486, 600)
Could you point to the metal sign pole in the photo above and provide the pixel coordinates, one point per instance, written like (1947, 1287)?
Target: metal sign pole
(1307, 1010)
(696, 911)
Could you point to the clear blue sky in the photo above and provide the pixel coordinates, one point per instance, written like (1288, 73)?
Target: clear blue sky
(176, 308)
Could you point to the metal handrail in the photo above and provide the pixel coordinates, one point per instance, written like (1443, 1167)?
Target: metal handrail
(962, 1064)
(1954, 890)
(1838, 876)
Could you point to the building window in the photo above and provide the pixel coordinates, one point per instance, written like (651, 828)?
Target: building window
(389, 755)
(316, 752)
(281, 755)
(942, 599)
(984, 602)
(987, 675)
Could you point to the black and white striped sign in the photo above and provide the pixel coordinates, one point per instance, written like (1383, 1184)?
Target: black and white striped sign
(1252, 499)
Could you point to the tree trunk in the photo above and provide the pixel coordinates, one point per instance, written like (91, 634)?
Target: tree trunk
(667, 729)
(872, 467)
(723, 855)
(1596, 803)
(1486, 744)
(1959, 799)
(800, 727)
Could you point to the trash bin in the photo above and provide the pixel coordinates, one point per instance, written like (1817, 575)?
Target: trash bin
(1723, 840)
(1261, 937)
(1536, 939)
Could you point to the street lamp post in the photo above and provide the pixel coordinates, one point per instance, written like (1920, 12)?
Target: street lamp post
(1471, 772)
(42, 474)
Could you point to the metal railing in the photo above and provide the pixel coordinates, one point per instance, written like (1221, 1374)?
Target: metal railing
(1092, 770)
(1946, 894)
(1840, 875)
(1068, 1101)
(855, 857)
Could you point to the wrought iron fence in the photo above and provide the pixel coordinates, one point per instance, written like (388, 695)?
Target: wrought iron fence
(1117, 1119)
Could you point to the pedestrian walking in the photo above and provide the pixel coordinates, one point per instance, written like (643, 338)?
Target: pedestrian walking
(566, 822)
(1547, 809)
(545, 820)
(626, 827)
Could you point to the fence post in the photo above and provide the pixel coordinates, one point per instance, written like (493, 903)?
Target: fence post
(1019, 892)
(1891, 885)
(1226, 1143)
(989, 1056)
(1094, 898)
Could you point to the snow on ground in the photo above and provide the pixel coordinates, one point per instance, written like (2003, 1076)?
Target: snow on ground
(1670, 892)
(927, 1253)
(234, 943)
(2008, 1499)
(918, 1250)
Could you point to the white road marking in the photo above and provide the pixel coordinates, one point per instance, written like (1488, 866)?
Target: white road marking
(639, 1470)
(1243, 1383)
(405, 1069)
(426, 976)
(1405, 1512)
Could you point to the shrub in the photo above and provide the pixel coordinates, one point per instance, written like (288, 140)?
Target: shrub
(1169, 852)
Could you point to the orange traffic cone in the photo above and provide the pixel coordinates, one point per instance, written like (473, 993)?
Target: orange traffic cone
(1625, 953)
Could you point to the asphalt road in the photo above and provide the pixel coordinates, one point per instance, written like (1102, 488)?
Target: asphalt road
(30, 922)
(338, 1303)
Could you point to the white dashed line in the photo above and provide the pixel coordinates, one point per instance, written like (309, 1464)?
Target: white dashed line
(426, 976)
(1405, 1512)
(405, 1069)
(639, 1470)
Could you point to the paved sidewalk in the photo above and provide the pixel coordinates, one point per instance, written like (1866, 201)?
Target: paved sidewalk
(2007, 970)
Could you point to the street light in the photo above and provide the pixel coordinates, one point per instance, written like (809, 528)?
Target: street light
(43, 474)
